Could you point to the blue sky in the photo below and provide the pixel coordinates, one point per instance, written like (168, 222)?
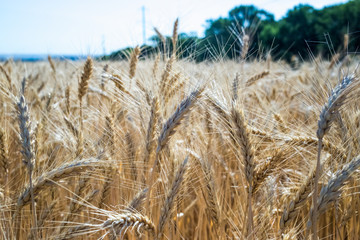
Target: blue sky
(92, 26)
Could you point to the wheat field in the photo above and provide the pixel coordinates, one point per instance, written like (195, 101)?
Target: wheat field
(164, 148)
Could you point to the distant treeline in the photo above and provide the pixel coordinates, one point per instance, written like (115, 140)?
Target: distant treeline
(304, 31)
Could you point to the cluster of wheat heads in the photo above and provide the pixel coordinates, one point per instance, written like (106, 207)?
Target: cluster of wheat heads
(169, 149)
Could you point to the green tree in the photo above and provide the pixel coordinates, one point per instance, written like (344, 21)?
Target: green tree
(224, 35)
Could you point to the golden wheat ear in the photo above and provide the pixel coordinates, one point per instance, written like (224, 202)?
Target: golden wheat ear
(331, 191)
(169, 202)
(85, 77)
(134, 61)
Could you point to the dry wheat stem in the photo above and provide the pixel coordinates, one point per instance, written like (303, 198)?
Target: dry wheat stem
(45, 213)
(74, 212)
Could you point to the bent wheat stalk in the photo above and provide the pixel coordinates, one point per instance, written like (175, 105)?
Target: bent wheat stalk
(53, 176)
(331, 191)
(338, 97)
(27, 152)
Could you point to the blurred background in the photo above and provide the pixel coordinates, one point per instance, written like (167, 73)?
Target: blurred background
(67, 28)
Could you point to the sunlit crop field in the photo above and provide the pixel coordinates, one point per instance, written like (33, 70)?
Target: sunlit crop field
(164, 148)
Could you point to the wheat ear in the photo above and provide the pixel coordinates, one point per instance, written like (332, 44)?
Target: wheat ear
(27, 152)
(52, 65)
(133, 61)
(4, 158)
(166, 75)
(76, 210)
(256, 78)
(162, 39)
(171, 124)
(156, 65)
(67, 100)
(311, 141)
(119, 84)
(265, 170)
(242, 137)
(45, 213)
(338, 97)
(55, 175)
(131, 155)
(211, 200)
(331, 191)
(175, 37)
(151, 132)
(137, 201)
(235, 87)
(166, 209)
(82, 90)
(118, 224)
(109, 121)
(245, 46)
(2, 69)
(293, 206)
(85, 77)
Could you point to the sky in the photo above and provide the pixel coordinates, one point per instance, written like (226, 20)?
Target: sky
(93, 27)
